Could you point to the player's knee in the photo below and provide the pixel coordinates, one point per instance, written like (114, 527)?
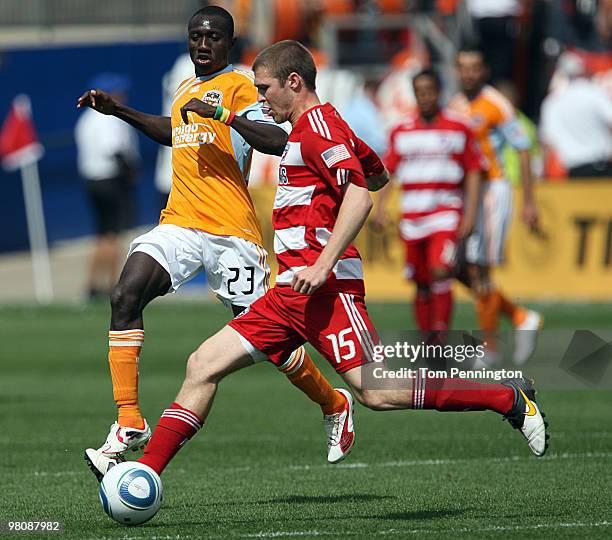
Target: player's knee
(125, 305)
(197, 372)
(201, 370)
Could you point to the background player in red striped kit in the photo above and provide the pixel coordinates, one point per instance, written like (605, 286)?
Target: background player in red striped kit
(436, 159)
(321, 204)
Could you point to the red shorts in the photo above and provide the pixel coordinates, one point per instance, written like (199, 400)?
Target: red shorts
(437, 250)
(336, 324)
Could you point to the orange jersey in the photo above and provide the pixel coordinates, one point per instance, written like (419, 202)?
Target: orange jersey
(495, 124)
(211, 162)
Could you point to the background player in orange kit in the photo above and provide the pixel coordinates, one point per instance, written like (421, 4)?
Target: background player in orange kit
(436, 159)
(208, 224)
(495, 123)
(322, 201)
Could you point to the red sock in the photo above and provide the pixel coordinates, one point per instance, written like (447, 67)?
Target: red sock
(175, 427)
(422, 309)
(449, 394)
(441, 304)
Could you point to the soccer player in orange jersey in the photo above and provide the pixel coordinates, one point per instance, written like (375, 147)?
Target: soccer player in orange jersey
(494, 122)
(208, 224)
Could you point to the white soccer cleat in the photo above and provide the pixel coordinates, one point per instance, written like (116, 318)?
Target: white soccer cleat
(526, 416)
(526, 337)
(122, 439)
(339, 430)
(99, 463)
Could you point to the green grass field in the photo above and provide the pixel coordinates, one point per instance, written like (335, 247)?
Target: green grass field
(258, 469)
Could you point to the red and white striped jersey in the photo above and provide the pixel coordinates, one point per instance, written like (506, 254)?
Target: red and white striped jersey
(318, 161)
(430, 160)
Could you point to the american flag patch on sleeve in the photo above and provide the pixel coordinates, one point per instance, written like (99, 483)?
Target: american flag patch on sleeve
(335, 154)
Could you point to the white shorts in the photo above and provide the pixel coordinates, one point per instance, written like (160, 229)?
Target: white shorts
(237, 270)
(486, 245)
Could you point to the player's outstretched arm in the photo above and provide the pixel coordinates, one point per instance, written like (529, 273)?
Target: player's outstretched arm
(530, 210)
(263, 137)
(354, 210)
(158, 128)
(470, 205)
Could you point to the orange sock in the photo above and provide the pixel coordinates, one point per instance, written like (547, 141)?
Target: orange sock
(488, 307)
(123, 353)
(516, 313)
(303, 373)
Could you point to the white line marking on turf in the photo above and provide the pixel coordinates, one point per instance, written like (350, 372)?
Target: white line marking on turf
(422, 462)
(361, 465)
(279, 534)
(57, 473)
(411, 463)
(401, 532)
(387, 532)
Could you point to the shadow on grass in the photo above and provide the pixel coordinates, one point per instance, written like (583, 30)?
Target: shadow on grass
(307, 521)
(299, 499)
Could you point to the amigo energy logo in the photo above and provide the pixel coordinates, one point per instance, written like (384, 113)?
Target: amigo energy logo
(194, 135)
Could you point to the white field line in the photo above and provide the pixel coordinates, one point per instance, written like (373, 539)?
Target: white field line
(419, 462)
(458, 461)
(402, 532)
(384, 464)
(387, 532)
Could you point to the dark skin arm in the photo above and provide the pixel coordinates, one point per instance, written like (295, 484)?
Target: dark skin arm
(158, 128)
(265, 138)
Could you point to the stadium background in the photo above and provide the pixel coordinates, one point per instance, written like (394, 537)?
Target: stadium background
(51, 49)
(438, 475)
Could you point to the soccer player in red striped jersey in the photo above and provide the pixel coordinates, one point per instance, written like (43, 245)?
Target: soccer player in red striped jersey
(321, 204)
(437, 161)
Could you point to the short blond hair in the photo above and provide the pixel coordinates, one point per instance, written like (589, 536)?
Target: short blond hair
(287, 57)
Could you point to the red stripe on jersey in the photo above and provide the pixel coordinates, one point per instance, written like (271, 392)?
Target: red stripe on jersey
(290, 216)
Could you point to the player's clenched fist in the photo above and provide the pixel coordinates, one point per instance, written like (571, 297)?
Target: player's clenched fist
(199, 107)
(307, 281)
(97, 100)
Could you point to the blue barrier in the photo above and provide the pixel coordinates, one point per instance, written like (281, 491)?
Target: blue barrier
(54, 78)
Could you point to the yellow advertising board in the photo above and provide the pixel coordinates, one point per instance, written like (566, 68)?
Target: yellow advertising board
(571, 260)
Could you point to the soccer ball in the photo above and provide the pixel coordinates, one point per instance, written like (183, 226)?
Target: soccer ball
(131, 493)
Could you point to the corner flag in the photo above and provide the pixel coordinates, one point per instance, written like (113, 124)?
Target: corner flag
(20, 149)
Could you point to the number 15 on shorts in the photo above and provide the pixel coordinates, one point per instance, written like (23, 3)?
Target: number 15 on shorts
(344, 348)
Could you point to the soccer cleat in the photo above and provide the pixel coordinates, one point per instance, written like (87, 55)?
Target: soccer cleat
(526, 416)
(339, 430)
(122, 439)
(99, 463)
(526, 337)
